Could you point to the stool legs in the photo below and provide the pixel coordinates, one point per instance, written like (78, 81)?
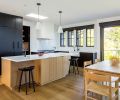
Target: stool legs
(29, 79)
(77, 67)
(26, 82)
(32, 80)
(20, 80)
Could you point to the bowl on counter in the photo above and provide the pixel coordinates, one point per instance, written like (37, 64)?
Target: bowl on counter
(41, 53)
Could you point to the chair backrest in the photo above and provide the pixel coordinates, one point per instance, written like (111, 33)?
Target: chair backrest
(96, 76)
(87, 63)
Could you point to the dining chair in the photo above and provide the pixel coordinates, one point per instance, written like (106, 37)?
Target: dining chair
(91, 85)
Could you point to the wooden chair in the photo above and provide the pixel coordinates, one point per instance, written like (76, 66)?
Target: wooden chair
(91, 85)
(87, 63)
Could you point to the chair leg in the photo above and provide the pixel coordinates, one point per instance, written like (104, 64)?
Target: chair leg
(74, 70)
(69, 69)
(26, 82)
(29, 79)
(77, 67)
(20, 80)
(33, 81)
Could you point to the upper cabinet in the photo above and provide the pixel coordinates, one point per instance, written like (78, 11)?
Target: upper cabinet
(19, 23)
(11, 21)
(7, 20)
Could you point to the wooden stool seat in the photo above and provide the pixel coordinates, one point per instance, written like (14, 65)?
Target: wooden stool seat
(26, 68)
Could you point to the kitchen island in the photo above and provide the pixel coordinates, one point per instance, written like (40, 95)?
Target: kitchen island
(48, 68)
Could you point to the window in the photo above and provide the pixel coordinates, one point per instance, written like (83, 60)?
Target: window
(63, 39)
(90, 37)
(70, 38)
(80, 38)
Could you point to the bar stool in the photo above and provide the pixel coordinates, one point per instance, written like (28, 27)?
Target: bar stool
(25, 70)
(74, 63)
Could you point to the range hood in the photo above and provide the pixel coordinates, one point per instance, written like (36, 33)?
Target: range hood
(43, 38)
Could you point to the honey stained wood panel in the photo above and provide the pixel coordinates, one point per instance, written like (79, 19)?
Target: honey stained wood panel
(66, 64)
(44, 71)
(59, 68)
(52, 69)
(6, 74)
(37, 71)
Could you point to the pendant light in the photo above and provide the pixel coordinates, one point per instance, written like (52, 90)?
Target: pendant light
(60, 30)
(38, 26)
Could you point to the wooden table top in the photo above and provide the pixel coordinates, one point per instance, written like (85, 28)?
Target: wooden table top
(105, 66)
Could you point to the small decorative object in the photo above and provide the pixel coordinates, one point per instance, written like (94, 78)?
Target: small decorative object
(114, 60)
(41, 53)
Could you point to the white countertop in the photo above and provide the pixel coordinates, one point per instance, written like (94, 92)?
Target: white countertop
(37, 57)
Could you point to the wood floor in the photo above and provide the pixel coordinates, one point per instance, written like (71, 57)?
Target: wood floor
(68, 88)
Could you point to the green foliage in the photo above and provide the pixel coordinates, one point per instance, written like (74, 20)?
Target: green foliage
(112, 42)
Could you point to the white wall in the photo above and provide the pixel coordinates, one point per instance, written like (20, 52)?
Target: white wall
(96, 48)
(36, 44)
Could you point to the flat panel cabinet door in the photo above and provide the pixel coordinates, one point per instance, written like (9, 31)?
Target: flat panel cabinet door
(18, 42)
(19, 23)
(7, 20)
(45, 71)
(6, 41)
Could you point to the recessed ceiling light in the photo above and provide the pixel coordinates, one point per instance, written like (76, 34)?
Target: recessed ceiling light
(36, 16)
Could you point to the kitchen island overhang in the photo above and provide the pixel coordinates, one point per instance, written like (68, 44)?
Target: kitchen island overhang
(48, 68)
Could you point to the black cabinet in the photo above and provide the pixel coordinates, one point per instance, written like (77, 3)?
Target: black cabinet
(10, 35)
(7, 20)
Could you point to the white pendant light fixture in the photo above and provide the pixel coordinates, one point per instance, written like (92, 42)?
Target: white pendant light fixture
(38, 25)
(60, 30)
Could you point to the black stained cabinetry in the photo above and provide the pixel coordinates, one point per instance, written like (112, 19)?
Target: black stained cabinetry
(10, 35)
(26, 39)
(26, 33)
(85, 56)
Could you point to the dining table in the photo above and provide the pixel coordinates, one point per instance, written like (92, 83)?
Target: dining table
(107, 68)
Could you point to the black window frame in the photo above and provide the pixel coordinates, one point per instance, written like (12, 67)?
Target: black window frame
(62, 38)
(70, 39)
(90, 28)
(78, 38)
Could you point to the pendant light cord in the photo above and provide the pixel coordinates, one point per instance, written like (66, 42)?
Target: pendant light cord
(38, 4)
(60, 12)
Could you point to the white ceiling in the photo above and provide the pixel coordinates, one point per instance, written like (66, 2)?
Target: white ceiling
(74, 11)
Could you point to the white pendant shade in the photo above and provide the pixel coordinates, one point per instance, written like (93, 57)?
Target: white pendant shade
(38, 26)
(60, 30)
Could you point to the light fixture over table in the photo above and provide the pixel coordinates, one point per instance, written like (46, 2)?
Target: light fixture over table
(60, 30)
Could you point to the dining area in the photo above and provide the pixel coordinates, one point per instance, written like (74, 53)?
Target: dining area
(101, 80)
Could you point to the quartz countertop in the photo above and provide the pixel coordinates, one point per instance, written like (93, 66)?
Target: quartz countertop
(37, 57)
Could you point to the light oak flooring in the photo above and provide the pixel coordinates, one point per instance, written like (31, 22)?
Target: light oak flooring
(68, 88)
